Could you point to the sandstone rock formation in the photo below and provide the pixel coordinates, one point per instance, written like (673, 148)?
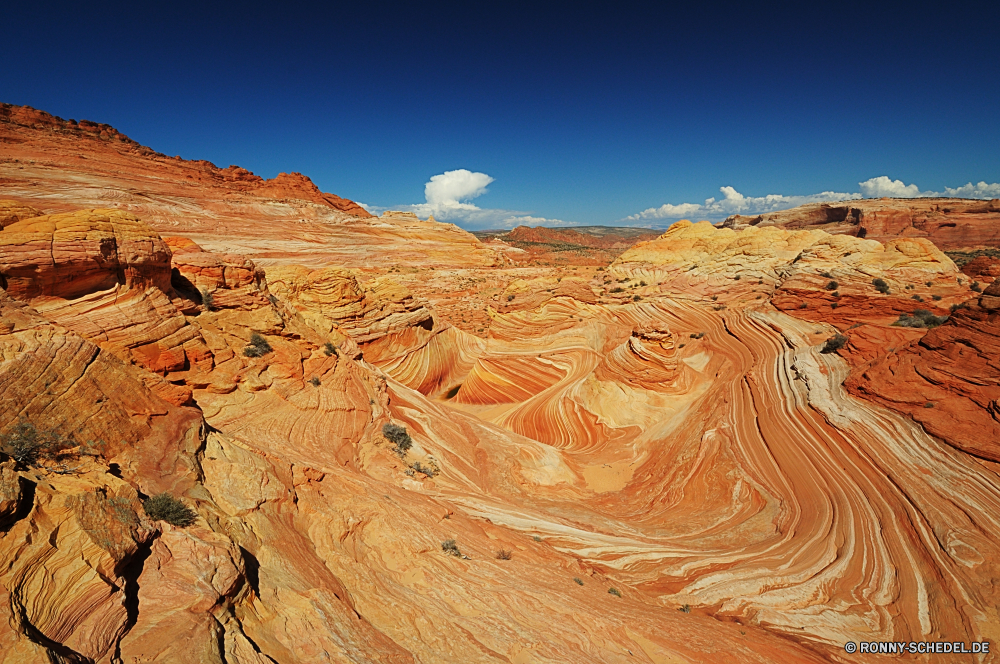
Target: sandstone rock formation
(662, 452)
(948, 380)
(60, 166)
(950, 223)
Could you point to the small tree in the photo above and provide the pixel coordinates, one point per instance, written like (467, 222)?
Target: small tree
(881, 286)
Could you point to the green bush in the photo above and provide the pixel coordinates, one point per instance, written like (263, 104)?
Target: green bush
(614, 591)
(397, 435)
(920, 318)
(26, 444)
(834, 343)
(164, 507)
(329, 348)
(832, 286)
(207, 300)
(314, 381)
(258, 346)
(450, 547)
(881, 286)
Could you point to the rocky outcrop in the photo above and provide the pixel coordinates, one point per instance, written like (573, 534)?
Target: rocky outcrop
(105, 275)
(299, 187)
(948, 379)
(836, 278)
(950, 223)
(12, 211)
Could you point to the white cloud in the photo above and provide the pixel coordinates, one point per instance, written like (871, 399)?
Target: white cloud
(981, 190)
(733, 202)
(446, 192)
(883, 186)
(447, 196)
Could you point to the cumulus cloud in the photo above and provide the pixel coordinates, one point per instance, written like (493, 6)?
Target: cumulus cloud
(733, 202)
(447, 197)
(883, 186)
(445, 192)
(981, 190)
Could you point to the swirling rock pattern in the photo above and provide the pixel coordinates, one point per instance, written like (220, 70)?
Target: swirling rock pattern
(669, 430)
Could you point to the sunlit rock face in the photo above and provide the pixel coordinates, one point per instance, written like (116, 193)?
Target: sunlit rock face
(950, 223)
(659, 428)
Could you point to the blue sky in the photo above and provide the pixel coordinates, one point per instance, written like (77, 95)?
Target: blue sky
(588, 114)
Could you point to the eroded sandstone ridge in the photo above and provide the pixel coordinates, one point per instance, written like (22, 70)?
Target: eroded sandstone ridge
(951, 223)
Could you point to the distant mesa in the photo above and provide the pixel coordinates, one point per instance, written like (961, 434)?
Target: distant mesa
(950, 223)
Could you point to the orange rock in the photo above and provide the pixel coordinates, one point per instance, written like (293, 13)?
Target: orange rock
(12, 211)
(105, 275)
(947, 379)
(950, 223)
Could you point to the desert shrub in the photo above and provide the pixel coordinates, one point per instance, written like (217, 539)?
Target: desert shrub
(832, 286)
(428, 470)
(736, 278)
(164, 507)
(614, 591)
(314, 381)
(617, 289)
(397, 435)
(881, 286)
(25, 443)
(510, 298)
(803, 305)
(920, 318)
(910, 286)
(207, 300)
(719, 307)
(976, 287)
(834, 343)
(258, 346)
(826, 274)
(714, 298)
(697, 335)
(578, 580)
(636, 298)
(685, 609)
(329, 348)
(928, 405)
(928, 283)
(918, 298)
(936, 298)
(537, 538)
(833, 305)
(504, 554)
(643, 283)
(835, 293)
(450, 547)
